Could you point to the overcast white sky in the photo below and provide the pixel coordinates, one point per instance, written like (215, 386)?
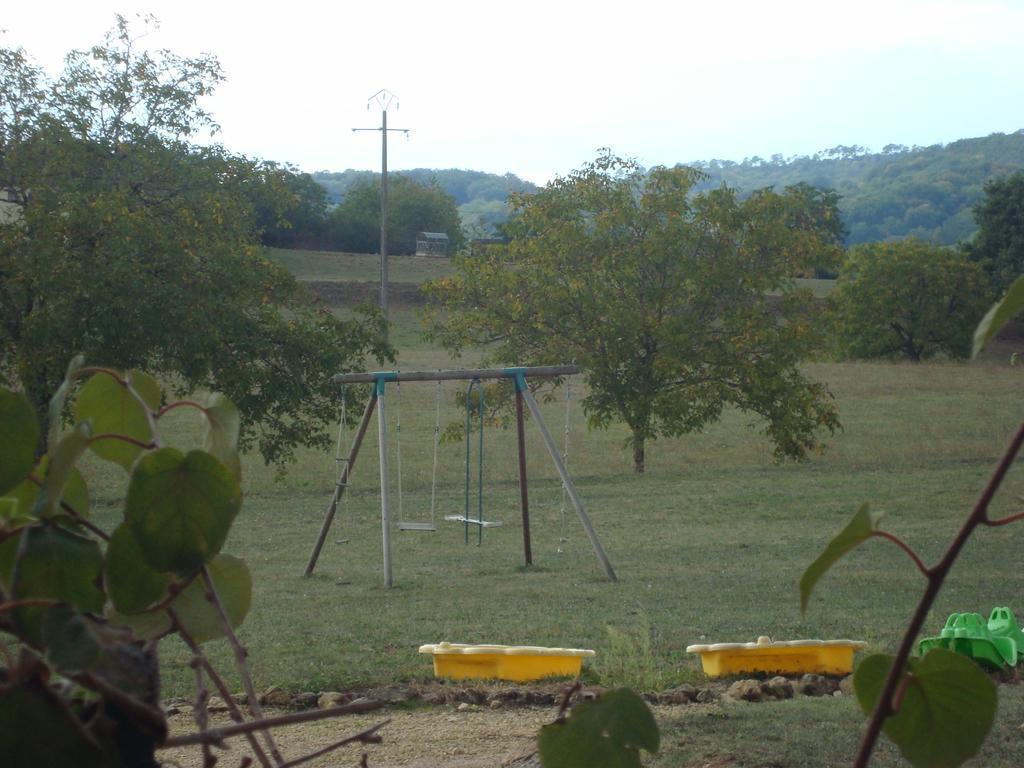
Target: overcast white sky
(536, 87)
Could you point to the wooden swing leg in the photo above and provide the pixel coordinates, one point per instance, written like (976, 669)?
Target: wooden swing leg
(341, 485)
(549, 443)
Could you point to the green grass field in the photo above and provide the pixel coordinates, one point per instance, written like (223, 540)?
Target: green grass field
(708, 545)
(345, 267)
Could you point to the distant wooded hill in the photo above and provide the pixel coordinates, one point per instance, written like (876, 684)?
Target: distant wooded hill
(479, 196)
(926, 192)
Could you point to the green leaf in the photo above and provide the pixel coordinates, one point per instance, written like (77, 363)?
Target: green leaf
(113, 409)
(56, 564)
(145, 626)
(607, 732)
(56, 408)
(947, 709)
(199, 616)
(38, 729)
(180, 508)
(23, 497)
(61, 469)
(1000, 313)
(131, 584)
(860, 529)
(146, 386)
(11, 514)
(222, 427)
(60, 565)
(20, 432)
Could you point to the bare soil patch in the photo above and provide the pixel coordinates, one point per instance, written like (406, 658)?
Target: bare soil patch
(425, 737)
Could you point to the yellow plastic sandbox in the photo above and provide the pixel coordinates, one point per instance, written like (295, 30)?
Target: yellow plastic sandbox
(822, 657)
(504, 662)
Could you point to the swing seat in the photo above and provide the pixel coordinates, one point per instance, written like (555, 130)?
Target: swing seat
(417, 527)
(474, 521)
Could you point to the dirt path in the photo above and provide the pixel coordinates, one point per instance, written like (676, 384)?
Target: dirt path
(429, 737)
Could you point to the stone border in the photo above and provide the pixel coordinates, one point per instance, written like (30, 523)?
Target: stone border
(498, 696)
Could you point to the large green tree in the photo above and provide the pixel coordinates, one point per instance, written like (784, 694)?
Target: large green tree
(908, 299)
(676, 305)
(290, 208)
(136, 247)
(999, 243)
(412, 207)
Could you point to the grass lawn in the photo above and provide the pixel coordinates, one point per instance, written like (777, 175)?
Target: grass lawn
(708, 546)
(361, 267)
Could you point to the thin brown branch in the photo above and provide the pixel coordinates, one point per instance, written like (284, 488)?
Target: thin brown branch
(218, 681)
(214, 735)
(369, 736)
(91, 369)
(33, 603)
(124, 439)
(179, 404)
(936, 576)
(138, 710)
(563, 708)
(901, 691)
(906, 548)
(200, 713)
(1004, 520)
(74, 513)
(241, 661)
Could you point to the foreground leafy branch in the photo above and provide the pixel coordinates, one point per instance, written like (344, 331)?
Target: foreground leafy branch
(87, 609)
(937, 709)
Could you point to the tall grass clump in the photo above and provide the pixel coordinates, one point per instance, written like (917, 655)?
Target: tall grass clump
(630, 659)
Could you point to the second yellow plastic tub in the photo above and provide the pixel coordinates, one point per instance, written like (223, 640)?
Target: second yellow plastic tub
(518, 663)
(822, 657)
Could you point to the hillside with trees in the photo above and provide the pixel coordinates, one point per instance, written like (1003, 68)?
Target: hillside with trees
(922, 192)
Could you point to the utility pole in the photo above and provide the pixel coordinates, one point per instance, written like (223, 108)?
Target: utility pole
(383, 99)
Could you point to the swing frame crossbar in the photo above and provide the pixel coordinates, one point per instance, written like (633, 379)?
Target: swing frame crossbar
(376, 401)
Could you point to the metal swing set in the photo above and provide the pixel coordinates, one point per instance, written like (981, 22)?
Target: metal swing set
(376, 401)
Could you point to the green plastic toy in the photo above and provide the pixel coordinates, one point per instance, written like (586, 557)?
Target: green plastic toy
(998, 643)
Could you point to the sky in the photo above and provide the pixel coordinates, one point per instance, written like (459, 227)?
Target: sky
(536, 88)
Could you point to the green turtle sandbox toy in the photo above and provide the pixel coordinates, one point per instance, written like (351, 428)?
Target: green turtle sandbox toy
(998, 643)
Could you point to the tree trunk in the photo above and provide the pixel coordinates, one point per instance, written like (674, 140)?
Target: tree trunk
(638, 453)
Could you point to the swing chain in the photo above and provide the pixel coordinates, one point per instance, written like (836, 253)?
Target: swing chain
(341, 462)
(398, 447)
(437, 440)
(565, 460)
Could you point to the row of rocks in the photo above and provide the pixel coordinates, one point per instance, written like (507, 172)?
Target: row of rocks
(544, 696)
(777, 688)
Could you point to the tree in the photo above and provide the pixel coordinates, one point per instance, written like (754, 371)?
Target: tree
(676, 305)
(289, 207)
(136, 247)
(908, 299)
(999, 242)
(412, 208)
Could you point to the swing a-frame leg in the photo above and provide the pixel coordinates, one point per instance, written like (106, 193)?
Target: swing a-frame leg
(549, 443)
(341, 485)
